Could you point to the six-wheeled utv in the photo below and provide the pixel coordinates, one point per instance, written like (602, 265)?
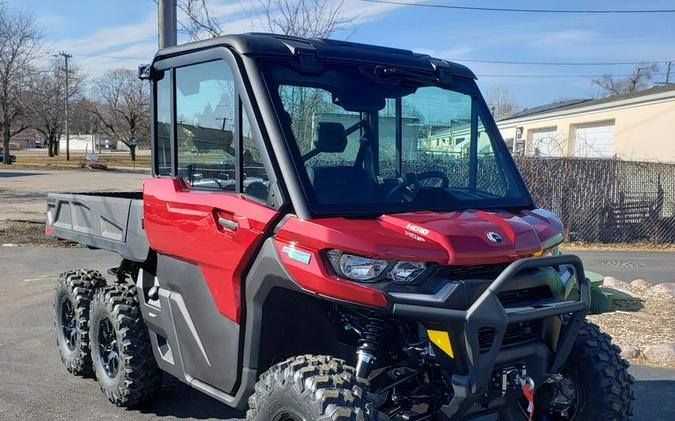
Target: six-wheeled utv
(333, 231)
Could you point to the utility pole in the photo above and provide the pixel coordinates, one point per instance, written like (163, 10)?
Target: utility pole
(668, 72)
(66, 57)
(167, 27)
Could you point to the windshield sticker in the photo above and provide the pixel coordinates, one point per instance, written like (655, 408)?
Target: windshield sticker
(295, 254)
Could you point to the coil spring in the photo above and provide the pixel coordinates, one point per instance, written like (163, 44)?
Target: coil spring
(369, 345)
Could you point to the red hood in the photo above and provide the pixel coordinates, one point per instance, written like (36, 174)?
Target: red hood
(476, 237)
(466, 237)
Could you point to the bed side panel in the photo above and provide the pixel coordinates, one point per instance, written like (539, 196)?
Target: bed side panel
(112, 223)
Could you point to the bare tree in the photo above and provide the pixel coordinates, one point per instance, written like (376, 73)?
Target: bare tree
(638, 80)
(46, 102)
(198, 21)
(20, 42)
(500, 101)
(302, 18)
(82, 119)
(120, 104)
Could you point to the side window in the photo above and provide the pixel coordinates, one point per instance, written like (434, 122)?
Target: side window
(205, 117)
(163, 127)
(255, 180)
(489, 177)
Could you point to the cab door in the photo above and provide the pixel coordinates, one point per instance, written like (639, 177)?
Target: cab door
(206, 211)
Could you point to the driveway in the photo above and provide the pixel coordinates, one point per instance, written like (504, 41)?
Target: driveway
(36, 386)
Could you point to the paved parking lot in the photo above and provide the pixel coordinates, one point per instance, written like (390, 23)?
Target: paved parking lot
(627, 265)
(36, 386)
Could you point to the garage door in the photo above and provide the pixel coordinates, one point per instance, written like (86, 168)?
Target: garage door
(545, 142)
(594, 140)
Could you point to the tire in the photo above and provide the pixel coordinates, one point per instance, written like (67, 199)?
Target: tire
(309, 388)
(72, 297)
(121, 352)
(600, 377)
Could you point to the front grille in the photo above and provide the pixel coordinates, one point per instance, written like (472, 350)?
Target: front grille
(519, 297)
(473, 271)
(516, 333)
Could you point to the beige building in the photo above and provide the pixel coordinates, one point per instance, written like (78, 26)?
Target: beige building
(639, 126)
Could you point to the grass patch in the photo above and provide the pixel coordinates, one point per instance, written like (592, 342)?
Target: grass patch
(39, 158)
(29, 234)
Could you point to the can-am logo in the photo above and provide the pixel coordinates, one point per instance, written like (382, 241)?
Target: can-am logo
(494, 237)
(417, 229)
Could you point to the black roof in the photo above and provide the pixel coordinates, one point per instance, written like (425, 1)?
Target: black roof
(577, 103)
(259, 44)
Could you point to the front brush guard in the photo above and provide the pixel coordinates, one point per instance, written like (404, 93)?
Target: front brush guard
(488, 312)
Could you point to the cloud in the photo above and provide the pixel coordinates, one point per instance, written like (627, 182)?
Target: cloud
(134, 43)
(129, 57)
(246, 16)
(556, 38)
(112, 38)
(449, 54)
(46, 21)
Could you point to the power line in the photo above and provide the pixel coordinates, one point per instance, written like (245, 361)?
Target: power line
(555, 76)
(512, 10)
(557, 63)
(110, 57)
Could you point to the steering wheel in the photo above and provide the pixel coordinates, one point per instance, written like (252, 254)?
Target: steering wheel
(408, 188)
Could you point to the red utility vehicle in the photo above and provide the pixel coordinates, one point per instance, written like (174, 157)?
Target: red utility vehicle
(333, 231)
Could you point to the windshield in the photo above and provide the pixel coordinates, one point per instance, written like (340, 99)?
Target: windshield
(365, 145)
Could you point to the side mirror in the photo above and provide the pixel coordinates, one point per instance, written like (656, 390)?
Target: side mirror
(145, 72)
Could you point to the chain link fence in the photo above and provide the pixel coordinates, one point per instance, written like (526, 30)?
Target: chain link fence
(605, 200)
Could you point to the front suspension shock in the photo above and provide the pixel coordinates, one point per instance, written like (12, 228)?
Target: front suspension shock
(369, 346)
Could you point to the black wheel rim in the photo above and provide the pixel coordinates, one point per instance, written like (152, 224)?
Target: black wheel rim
(69, 324)
(288, 416)
(108, 352)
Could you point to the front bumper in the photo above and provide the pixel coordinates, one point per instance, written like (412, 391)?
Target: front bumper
(473, 383)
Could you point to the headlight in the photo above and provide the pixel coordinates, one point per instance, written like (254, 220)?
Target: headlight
(552, 251)
(357, 268)
(406, 272)
(365, 269)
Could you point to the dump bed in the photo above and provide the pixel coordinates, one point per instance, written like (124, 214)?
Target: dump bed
(109, 221)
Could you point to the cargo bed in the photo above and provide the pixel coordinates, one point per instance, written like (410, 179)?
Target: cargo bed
(109, 221)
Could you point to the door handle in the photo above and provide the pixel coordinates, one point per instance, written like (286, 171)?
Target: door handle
(228, 223)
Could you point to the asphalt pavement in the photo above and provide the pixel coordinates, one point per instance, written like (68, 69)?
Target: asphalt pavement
(628, 265)
(35, 385)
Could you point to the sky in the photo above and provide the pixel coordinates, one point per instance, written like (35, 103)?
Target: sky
(123, 33)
